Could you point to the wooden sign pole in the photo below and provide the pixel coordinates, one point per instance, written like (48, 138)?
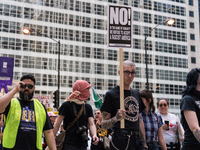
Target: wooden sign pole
(121, 84)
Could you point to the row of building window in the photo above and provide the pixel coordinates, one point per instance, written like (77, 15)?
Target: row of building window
(75, 20)
(167, 8)
(171, 61)
(96, 53)
(75, 5)
(98, 68)
(82, 36)
(171, 48)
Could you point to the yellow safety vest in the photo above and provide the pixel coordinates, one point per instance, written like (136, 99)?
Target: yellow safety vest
(13, 120)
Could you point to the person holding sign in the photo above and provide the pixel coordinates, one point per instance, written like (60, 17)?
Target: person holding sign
(128, 138)
(25, 118)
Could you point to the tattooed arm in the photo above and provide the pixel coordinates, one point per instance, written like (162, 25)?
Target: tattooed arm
(108, 122)
(193, 124)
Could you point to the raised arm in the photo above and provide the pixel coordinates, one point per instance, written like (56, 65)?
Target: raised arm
(193, 124)
(108, 122)
(5, 100)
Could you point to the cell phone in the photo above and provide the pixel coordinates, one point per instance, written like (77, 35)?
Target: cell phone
(167, 123)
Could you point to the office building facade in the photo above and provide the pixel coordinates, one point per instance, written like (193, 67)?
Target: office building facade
(81, 27)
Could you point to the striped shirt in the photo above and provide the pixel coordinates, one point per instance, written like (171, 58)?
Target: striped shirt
(152, 122)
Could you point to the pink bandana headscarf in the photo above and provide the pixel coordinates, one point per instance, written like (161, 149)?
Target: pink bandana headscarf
(80, 90)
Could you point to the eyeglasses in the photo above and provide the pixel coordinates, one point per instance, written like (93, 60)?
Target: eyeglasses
(97, 113)
(30, 86)
(161, 105)
(127, 73)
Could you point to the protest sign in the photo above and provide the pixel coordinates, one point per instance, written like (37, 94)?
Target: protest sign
(44, 100)
(119, 26)
(6, 70)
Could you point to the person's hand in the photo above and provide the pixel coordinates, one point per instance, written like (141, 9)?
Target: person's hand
(182, 139)
(95, 140)
(120, 114)
(18, 86)
(165, 127)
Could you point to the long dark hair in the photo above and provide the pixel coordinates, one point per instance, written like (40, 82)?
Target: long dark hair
(148, 95)
(191, 81)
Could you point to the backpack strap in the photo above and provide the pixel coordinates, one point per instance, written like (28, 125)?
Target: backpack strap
(76, 118)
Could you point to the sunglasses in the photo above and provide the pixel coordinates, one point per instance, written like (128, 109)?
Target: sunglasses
(127, 73)
(161, 105)
(97, 113)
(30, 86)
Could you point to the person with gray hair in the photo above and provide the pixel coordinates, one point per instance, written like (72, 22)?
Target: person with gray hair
(190, 111)
(129, 137)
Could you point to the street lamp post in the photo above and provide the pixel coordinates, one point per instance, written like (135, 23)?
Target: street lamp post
(169, 22)
(27, 31)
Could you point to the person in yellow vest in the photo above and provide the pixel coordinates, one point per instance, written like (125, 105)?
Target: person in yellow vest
(25, 118)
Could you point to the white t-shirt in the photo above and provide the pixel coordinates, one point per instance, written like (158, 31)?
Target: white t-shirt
(171, 135)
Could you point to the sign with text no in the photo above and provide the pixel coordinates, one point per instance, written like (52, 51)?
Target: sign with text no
(119, 26)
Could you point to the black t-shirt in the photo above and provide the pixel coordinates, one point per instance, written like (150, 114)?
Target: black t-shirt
(26, 136)
(192, 103)
(133, 104)
(67, 111)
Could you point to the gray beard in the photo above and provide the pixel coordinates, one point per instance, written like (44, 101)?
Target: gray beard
(26, 98)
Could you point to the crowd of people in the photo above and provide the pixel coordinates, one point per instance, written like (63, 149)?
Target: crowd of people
(28, 125)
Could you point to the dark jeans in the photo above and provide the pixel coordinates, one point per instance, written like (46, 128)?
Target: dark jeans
(121, 141)
(153, 145)
(99, 146)
(173, 146)
(190, 147)
(73, 147)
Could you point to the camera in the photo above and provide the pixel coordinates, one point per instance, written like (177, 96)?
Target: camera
(82, 131)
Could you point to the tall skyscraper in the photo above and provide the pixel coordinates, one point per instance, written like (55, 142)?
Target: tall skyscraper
(81, 26)
(193, 21)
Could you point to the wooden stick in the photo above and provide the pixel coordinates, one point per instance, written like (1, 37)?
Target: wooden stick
(121, 84)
